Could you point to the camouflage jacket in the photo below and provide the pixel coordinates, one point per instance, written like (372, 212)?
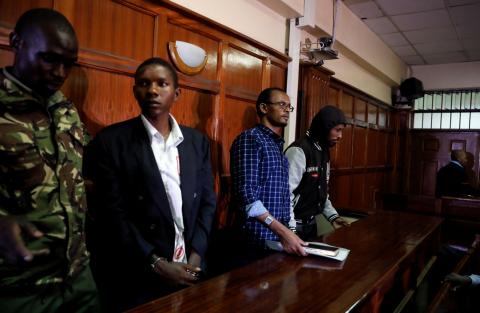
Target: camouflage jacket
(41, 147)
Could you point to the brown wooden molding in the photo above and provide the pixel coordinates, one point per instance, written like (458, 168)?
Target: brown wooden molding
(235, 92)
(5, 31)
(107, 61)
(360, 170)
(199, 83)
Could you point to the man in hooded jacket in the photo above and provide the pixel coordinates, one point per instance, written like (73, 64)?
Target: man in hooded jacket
(309, 172)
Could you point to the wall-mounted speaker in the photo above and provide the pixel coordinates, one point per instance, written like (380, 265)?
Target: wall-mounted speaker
(412, 88)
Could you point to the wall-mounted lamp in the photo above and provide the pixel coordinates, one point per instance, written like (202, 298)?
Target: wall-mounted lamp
(188, 58)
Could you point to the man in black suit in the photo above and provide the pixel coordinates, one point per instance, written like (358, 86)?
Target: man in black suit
(452, 179)
(154, 195)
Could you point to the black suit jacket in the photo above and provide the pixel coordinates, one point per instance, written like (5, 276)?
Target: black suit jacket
(131, 217)
(452, 180)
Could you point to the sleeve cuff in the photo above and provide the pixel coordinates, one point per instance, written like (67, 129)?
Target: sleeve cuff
(475, 279)
(333, 217)
(255, 209)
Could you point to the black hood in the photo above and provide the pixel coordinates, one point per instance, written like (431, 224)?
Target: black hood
(327, 118)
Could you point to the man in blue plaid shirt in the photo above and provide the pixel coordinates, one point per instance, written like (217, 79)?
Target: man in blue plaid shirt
(260, 177)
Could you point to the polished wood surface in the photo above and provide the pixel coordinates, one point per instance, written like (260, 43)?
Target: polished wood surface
(382, 246)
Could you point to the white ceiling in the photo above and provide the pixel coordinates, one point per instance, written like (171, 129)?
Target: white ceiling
(424, 31)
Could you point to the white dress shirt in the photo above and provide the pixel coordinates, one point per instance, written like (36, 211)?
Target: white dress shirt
(168, 163)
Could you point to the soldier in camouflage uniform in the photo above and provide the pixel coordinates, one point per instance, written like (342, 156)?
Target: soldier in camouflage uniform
(43, 260)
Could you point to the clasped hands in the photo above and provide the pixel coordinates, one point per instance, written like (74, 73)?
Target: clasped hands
(178, 273)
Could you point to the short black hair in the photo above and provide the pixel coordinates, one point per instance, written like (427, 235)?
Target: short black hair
(160, 62)
(41, 17)
(265, 97)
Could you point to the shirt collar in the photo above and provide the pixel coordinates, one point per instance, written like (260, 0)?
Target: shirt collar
(21, 88)
(175, 132)
(16, 81)
(267, 131)
(456, 162)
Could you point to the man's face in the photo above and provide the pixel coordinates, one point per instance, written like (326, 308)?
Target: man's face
(44, 58)
(335, 135)
(155, 91)
(277, 110)
(462, 158)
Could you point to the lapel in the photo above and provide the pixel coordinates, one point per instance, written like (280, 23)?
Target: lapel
(187, 176)
(150, 173)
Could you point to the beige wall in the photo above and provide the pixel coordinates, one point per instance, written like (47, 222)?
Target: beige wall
(365, 61)
(448, 76)
(248, 17)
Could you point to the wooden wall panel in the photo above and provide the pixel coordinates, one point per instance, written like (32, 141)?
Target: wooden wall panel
(11, 10)
(240, 115)
(357, 195)
(373, 147)
(360, 110)
(372, 114)
(429, 171)
(382, 117)
(340, 189)
(372, 185)
(346, 105)
(382, 148)
(313, 95)
(333, 96)
(102, 98)
(243, 74)
(195, 109)
(343, 150)
(278, 77)
(359, 147)
(6, 57)
(110, 27)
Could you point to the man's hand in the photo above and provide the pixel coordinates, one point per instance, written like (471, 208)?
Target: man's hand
(177, 273)
(340, 222)
(292, 243)
(458, 280)
(194, 259)
(12, 247)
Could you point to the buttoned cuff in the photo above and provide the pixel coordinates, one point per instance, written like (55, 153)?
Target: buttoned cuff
(255, 209)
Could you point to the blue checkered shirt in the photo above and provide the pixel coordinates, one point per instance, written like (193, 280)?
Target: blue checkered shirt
(259, 172)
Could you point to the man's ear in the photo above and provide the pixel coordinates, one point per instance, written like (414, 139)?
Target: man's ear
(263, 108)
(15, 41)
(178, 92)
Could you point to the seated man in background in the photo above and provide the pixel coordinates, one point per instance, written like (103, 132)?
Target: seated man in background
(309, 173)
(155, 203)
(260, 179)
(43, 259)
(452, 179)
